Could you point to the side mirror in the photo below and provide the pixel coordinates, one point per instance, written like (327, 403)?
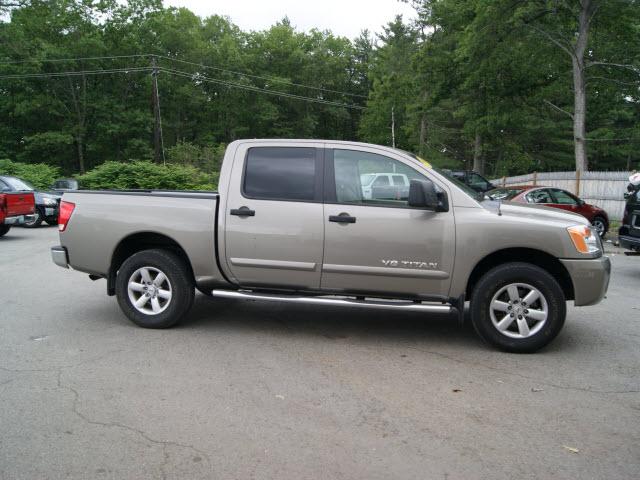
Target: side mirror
(423, 193)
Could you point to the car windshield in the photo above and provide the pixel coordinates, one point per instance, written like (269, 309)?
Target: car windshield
(18, 184)
(503, 193)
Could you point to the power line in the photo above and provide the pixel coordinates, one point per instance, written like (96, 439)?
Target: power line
(202, 78)
(165, 57)
(270, 79)
(192, 76)
(74, 73)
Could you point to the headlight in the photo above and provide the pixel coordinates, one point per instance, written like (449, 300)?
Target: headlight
(584, 239)
(50, 202)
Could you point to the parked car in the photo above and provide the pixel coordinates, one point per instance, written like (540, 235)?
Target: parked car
(47, 204)
(13, 208)
(292, 224)
(472, 179)
(64, 185)
(556, 198)
(384, 185)
(629, 232)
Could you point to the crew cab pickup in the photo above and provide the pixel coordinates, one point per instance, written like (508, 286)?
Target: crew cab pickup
(13, 208)
(290, 223)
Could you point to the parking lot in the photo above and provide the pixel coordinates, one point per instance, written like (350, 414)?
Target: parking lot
(250, 390)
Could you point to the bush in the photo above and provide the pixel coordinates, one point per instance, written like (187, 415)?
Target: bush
(40, 175)
(207, 158)
(147, 175)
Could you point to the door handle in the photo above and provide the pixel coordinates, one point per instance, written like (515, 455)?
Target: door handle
(243, 212)
(342, 218)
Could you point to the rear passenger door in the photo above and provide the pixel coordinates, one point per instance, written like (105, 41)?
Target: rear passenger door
(274, 229)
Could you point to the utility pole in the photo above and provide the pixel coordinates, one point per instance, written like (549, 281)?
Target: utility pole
(158, 147)
(393, 126)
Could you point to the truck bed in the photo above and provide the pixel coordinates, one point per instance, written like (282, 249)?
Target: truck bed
(113, 219)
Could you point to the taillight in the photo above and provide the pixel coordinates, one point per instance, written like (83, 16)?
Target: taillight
(66, 209)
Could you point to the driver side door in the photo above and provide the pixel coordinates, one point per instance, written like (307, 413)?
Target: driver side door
(378, 244)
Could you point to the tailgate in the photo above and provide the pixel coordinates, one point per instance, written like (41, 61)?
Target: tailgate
(21, 203)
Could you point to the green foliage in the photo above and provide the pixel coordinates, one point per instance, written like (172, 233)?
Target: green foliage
(465, 70)
(147, 175)
(40, 175)
(205, 158)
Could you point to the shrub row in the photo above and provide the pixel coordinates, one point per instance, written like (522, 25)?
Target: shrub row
(118, 175)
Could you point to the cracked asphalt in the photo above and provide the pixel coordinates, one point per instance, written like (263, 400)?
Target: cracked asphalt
(247, 390)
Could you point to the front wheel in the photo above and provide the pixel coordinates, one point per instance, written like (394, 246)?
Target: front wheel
(4, 229)
(518, 307)
(154, 288)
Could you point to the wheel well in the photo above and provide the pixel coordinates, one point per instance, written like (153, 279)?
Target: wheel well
(136, 243)
(528, 255)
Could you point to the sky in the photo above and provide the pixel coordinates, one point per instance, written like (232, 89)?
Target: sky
(343, 17)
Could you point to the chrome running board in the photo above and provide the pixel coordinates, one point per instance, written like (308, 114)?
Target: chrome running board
(398, 305)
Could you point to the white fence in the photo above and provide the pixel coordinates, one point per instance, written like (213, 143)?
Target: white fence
(604, 189)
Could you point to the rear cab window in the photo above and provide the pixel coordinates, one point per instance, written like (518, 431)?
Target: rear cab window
(283, 173)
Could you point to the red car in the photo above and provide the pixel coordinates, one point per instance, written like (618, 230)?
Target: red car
(553, 197)
(13, 208)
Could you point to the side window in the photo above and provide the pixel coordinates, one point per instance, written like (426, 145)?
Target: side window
(4, 187)
(281, 173)
(400, 180)
(563, 198)
(364, 178)
(381, 181)
(539, 196)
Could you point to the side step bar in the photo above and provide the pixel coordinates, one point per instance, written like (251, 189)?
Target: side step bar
(336, 301)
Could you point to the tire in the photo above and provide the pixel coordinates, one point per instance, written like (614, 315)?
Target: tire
(36, 219)
(502, 324)
(4, 229)
(51, 221)
(178, 283)
(600, 224)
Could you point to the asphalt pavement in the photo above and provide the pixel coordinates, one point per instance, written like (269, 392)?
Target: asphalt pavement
(249, 390)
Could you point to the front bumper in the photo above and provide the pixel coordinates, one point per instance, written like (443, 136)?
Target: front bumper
(59, 256)
(629, 242)
(590, 279)
(17, 220)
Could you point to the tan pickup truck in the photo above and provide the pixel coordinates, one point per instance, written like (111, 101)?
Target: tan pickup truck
(291, 223)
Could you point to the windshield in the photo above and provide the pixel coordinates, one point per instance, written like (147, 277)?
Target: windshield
(18, 184)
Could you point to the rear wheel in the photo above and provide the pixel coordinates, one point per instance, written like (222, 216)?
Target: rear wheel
(600, 224)
(154, 288)
(518, 307)
(4, 229)
(34, 220)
